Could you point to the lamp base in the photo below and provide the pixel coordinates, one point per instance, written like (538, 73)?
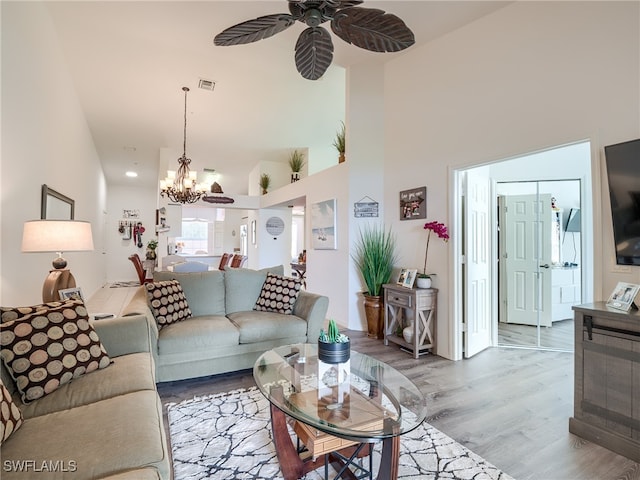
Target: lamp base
(55, 281)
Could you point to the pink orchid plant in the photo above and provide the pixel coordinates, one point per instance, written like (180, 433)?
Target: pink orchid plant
(439, 229)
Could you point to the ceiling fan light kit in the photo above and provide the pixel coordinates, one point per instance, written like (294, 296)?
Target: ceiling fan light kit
(368, 28)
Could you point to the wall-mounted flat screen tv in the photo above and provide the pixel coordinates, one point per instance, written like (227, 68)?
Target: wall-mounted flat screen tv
(623, 174)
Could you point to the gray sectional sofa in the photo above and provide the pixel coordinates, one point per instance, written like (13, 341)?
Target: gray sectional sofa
(104, 424)
(225, 333)
(108, 423)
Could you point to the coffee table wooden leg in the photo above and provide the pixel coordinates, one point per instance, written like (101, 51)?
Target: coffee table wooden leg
(389, 461)
(291, 464)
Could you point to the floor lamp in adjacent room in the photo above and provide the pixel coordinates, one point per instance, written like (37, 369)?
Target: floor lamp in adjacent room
(57, 236)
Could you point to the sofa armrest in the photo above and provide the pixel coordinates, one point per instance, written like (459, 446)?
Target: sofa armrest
(313, 308)
(123, 335)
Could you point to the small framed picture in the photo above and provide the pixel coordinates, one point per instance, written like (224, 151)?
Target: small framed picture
(413, 204)
(406, 277)
(623, 296)
(71, 294)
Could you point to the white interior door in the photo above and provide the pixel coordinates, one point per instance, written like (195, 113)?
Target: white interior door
(477, 311)
(526, 233)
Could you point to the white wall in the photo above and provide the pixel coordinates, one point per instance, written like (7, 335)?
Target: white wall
(327, 270)
(527, 77)
(45, 139)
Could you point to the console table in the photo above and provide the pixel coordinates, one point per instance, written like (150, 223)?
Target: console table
(417, 304)
(607, 378)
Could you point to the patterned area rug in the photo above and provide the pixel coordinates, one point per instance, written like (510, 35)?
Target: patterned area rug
(228, 436)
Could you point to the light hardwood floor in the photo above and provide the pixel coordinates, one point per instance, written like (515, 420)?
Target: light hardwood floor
(557, 337)
(510, 406)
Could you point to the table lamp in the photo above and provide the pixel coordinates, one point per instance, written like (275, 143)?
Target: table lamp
(57, 236)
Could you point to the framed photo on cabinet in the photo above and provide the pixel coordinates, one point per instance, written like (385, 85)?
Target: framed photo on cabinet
(623, 296)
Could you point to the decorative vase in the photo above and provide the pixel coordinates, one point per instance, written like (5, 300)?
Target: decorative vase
(407, 334)
(374, 312)
(341, 158)
(334, 352)
(423, 282)
(295, 176)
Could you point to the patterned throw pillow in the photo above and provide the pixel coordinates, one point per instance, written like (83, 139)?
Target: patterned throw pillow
(13, 313)
(47, 349)
(10, 414)
(168, 303)
(278, 294)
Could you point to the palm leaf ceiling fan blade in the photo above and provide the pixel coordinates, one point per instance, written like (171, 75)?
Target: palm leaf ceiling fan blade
(372, 29)
(254, 30)
(368, 28)
(314, 52)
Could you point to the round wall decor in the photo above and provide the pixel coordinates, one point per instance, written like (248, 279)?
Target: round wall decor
(275, 226)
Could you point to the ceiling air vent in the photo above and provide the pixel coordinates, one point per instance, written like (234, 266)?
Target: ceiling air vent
(207, 84)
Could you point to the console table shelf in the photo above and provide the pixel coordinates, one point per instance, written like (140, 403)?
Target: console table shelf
(607, 378)
(416, 304)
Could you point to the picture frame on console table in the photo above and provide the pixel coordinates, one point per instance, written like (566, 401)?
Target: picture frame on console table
(71, 294)
(406, 277)
(623, 296)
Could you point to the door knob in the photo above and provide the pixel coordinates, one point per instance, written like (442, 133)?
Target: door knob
(546, 265)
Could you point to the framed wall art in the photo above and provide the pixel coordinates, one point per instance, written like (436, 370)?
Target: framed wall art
(413, 204)
(323, 225)
(56, 206)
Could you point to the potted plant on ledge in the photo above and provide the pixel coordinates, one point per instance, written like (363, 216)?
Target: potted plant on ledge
(265, 182)
(333, 346)
(374, 256)
(423, 280)
(296, 162)
(340, 143)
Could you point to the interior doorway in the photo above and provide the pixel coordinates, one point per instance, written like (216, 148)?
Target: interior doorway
(478, 308)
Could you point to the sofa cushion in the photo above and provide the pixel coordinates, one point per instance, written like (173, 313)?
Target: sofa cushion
(204, 290)
(278, 294)
(261, 326)
(243, 286)
(168, 302)
(197, 333)
(47, 349)
(10, 414)
(127, 373)
(93, 441)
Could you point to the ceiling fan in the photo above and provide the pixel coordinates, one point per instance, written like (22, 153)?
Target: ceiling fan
(368, 28)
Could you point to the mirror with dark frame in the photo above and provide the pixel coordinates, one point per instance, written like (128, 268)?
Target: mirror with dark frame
(56, 206)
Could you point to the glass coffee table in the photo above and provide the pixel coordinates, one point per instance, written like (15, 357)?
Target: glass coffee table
(338, 410)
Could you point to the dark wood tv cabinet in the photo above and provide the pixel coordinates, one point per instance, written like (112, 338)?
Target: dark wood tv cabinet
(607, 378)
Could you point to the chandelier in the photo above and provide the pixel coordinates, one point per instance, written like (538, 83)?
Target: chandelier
(182, 186)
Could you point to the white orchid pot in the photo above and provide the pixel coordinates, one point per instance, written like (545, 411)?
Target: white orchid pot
(423, 282)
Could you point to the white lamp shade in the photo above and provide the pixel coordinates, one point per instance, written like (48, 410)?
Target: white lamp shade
(57, 236)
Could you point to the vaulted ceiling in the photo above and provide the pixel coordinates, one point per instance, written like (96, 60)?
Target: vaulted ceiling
(129, 61)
